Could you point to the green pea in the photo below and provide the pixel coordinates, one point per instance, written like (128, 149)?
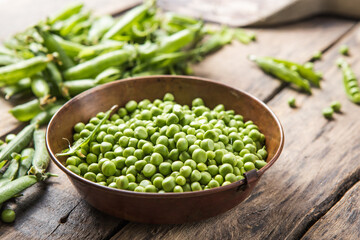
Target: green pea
(175, 166)
(131, 170)
(156, 159)
(8, 215)
(90, 176)
(169, 97)
(259, 164)
(165, 168)
(243, 152)
(139, 189)
(105, 147)
(159, 148)
(213, 183)
(205, 178)
(172, 130)
(108, 168)
(168, 184)
(174, 155)
(229, 158)
(131, 177)
(182, 144)
(74, 169)
(158, 182)
(148, 148)
(122, 182)
(225, 169)
(180, 180)
(199, 155)
(83, 167)
(262, 152)
(230, 177)
(91, 158)
(192, 148)
(195, 186)
(79, 127)
(195, 176)
(132, 186)
(140, 133)
(129, 151)
(207, 144)
(201, 167)
(178, 189)
(213, 170)
(191, 163)
(90, 126)
(336, 106)
(85, 133)
(163, 140)
(150, 188)
(327, 113)
(219, 178)
(149, 170)
(94, 167)
(238, 145)
(131, 160)
(249, 166)
(249, 157)
(171, 119)
(131, 106)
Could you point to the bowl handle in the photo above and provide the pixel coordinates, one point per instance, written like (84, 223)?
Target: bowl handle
(251, 178)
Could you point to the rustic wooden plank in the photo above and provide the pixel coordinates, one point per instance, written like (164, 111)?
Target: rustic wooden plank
(319, 163)
(342, 221)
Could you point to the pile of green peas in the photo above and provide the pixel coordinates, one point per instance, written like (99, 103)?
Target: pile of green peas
(162, 146)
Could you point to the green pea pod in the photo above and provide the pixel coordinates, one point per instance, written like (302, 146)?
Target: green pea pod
(41, 157)
(26, 111)
(306, 73)
(44, 117)
(13, 73)
(281, 72)
(39, 86)
(350, 82)
(26, 159)
(81, 27)
(21, 141)
(178, 40)
(74, 87)
(6, 60)
(244, 37)
(98, 64)
(70, 23)
(21, 86)
(53, 46)
(106, 46)
(147, 50)
(16, 186)
(180, 19)
(53, 75)
(6, 51)
(127, 20)
(108, 75)
(216, 41)
(11, 171)
(66, 13)
(99, 27)
(71, 49)
(82, 142)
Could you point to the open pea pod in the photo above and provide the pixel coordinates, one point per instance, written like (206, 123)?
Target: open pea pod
(304, 72)
(281, 72)
(82, 142)
(350, 82)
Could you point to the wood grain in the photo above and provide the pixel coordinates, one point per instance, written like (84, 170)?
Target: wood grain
(319, 163)
(301, 187)
(342, 221)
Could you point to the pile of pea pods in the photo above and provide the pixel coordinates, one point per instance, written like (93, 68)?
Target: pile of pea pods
(73, 51)
(162, 146)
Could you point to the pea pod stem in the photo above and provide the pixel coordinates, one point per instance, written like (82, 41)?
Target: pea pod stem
(11, 74)
(281, 72)
(82, 142)
(22, 140)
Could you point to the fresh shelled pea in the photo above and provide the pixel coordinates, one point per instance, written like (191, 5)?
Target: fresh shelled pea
(328, 112)
(177, 149)
(336, 106)
(292, 102)
(344, 50)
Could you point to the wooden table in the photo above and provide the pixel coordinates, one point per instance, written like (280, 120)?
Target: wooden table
(311, 192)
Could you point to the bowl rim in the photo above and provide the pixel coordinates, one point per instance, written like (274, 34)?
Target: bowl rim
(236, 184)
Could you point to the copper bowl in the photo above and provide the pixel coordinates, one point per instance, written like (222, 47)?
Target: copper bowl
(169, 207)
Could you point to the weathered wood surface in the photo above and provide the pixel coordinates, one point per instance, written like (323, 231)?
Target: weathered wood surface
(318, 165)
(342, 221)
